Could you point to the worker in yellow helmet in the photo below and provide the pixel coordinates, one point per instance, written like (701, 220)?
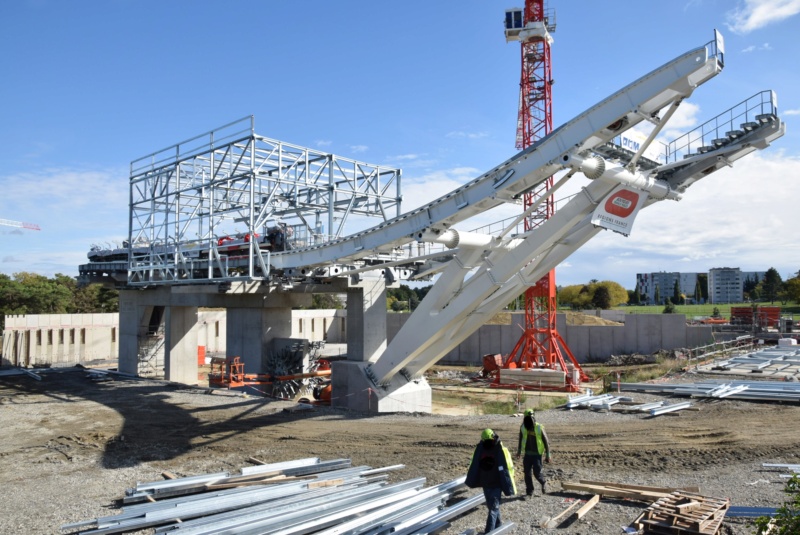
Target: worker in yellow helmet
(534, 445)
(493, 470)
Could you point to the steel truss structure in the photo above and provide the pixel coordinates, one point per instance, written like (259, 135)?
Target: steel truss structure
(212, 183)
(216, 206)
(540, 345)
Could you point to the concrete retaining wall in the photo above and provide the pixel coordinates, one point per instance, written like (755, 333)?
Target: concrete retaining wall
(641, 333)
(316, 325)
(80, 338)
(42, 339)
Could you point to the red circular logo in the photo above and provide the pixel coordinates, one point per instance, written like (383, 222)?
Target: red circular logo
(622, 203)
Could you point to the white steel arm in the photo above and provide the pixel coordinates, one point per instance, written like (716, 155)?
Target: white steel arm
(509, 266)
(633, 104)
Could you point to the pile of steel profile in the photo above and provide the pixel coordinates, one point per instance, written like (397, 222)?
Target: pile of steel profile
(604, 402)
(779, 361)
(794, 469)
(595, 402)
(290, 498)
(746, 390)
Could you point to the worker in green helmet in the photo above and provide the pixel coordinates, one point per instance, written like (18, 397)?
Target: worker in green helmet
(493, 470)
(534, 445)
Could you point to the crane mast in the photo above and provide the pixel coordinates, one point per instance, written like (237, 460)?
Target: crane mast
(540, 345)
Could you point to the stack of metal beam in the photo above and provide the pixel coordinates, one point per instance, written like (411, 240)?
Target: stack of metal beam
(794, 469)
(748, 390)
(292, 498)
(776, 361)
(595, 402)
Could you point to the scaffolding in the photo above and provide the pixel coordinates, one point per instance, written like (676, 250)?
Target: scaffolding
(215, 207)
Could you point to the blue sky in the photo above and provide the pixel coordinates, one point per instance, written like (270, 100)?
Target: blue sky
(431, 87)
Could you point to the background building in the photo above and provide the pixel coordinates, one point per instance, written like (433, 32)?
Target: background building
(665, 282)
(725, 285)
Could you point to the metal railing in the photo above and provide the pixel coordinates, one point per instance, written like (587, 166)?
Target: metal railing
(725, 128)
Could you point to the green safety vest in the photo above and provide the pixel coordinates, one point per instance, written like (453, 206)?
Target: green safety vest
(537, 428)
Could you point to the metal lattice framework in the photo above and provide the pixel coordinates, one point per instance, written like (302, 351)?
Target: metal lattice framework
(216, 206)
(540, 344)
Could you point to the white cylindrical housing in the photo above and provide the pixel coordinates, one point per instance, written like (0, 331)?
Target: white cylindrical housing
(596, 167)
(453, 238)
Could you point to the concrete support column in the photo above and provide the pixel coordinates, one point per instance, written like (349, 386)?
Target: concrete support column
(352, 389)
(366, 321)
(130, 319)
(180, 346)
(250, 332)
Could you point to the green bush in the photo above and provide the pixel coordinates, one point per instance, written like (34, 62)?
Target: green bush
(787, 521)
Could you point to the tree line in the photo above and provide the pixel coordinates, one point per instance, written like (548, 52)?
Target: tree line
(608, 294)
(29, 293)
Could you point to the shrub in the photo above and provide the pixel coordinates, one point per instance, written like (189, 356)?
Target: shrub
(787, 520)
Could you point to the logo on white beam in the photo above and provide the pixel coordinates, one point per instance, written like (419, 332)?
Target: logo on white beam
(619, 209)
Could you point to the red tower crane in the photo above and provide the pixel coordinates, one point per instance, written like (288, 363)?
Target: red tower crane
(540, 345)
(19, 224)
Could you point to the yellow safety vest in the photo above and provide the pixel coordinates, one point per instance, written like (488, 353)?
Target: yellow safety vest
(537, 428)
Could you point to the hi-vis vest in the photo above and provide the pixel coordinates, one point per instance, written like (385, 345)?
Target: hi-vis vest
(537, 428)
(504, 465)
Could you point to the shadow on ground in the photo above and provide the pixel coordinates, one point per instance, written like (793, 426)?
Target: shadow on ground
(160, 420)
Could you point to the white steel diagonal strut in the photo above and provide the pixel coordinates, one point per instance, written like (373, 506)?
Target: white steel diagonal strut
(456, 306)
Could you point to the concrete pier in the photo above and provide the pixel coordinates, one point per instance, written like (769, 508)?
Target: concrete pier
(255, 315)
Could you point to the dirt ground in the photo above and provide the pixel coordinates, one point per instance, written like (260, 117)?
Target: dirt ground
(70, 447)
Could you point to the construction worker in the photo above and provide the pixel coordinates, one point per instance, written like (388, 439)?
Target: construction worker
(493, 470)
(534, 444)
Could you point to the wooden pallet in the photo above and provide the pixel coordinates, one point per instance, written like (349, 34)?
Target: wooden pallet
(622, 490)
(684, 513)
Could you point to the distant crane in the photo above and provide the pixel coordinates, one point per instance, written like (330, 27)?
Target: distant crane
(19, 224)
(540, 345)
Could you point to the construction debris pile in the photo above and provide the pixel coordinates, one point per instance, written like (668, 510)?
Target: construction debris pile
(288, 498)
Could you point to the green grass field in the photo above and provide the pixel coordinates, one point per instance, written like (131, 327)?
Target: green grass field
(706, 310)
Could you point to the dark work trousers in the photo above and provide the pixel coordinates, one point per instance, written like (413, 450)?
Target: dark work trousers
(492, 495)
(532, 463)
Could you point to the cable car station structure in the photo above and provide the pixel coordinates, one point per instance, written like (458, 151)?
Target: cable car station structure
(201, 211)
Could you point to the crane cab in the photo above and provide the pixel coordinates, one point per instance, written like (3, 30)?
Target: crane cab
(514, 23)
(534, 30)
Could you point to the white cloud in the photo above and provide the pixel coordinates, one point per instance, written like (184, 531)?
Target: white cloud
(460, 134)
(792, 112)
(411, 161)
(420, 190)
(685, 116)
(751, 48)
(358, 148)
(323, 143)
(684, 119)
(73, 207)
(756, 14)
